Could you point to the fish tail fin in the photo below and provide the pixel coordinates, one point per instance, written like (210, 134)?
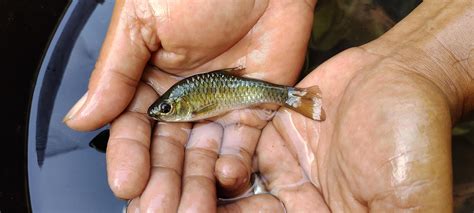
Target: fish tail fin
(306, 101)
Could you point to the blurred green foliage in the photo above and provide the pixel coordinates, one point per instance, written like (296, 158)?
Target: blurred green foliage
(341, 24)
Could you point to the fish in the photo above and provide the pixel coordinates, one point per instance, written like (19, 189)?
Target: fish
(207, 95)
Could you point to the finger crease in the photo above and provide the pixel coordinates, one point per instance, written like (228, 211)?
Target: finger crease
(126, 79)
(203, 152)
(172, 141)
(145, 145)
(200, 177)
(159, 168)
(240, 153)
(140, 116)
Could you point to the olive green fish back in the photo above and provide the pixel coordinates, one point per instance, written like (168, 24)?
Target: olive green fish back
(219, 91)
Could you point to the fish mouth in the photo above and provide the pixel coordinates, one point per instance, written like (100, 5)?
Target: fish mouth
(160, 119)
(151, 112)
(152, 115)
(154, 118)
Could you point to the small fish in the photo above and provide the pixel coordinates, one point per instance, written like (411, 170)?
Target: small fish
(214, 93)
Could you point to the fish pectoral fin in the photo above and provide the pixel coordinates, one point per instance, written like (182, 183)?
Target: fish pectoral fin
(205, 109)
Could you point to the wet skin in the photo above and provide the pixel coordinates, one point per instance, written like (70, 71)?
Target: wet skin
(390, 106)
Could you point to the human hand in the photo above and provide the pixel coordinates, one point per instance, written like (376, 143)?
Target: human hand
(384, 145)
(269, 38)
(390, 105)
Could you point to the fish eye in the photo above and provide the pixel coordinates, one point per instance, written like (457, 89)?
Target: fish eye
(165, 107)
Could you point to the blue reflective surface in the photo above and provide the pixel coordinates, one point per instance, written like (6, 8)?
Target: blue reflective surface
(65, 174)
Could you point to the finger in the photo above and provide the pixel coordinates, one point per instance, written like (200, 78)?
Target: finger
(163, 190)
(121, 62)
(199, 193)
(284, 177)
(242, 130)
(257, 203)
(133, 206)
(128, 156)
(234, 166)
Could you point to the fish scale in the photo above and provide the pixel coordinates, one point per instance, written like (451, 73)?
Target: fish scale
(228, 91)
(209, 94)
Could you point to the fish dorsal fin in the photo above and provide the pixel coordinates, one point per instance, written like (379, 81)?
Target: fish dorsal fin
(237, 71)
(204, 109)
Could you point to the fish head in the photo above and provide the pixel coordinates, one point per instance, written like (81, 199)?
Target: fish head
(170, 110)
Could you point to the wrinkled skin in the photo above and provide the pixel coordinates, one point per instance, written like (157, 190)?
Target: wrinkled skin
(385, 144)
(185, 38)
(374, 152)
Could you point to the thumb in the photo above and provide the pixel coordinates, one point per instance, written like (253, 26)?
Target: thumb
(122, 59)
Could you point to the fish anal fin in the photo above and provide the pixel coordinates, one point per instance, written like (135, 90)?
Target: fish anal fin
(268, 106)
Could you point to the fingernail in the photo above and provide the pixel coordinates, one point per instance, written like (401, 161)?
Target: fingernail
(75, 109)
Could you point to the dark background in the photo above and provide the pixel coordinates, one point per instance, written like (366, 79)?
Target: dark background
(25, 30)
